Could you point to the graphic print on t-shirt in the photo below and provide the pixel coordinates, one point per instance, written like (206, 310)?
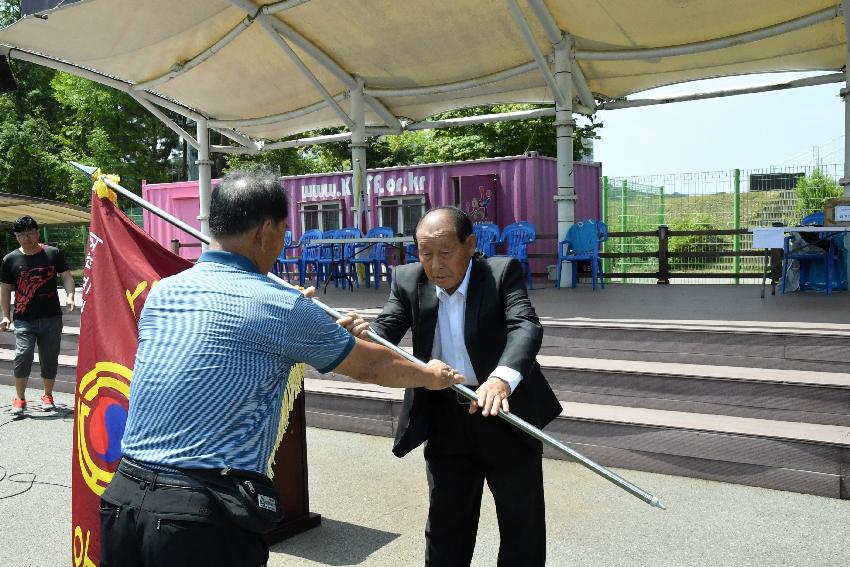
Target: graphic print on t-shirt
(29, 282)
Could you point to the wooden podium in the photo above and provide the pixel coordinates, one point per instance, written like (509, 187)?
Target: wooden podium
(290, 478)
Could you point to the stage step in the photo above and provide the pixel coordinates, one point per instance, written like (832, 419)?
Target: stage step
(796, 346)
(800, 457)
(778, 394)
(749, 344)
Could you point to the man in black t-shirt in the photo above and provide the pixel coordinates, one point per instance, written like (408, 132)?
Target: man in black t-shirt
(31, 272)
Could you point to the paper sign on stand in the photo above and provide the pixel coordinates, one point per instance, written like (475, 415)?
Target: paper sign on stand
(769, 237)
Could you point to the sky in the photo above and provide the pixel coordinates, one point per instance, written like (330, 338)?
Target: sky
(784, 129)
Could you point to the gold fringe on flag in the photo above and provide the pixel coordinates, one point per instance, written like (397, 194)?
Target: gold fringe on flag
(293, 388)
(101, 188)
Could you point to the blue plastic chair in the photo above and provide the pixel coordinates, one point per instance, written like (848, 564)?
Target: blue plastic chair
(582, 245)
(829, 256)
(309, 254)
(518, 236)
(325, 261)
(331, 258)
(486, 236)
(284, 261)
(411, 253)
(376, 256)
(814, 219)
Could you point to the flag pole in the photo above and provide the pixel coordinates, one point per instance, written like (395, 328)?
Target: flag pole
(460, 388)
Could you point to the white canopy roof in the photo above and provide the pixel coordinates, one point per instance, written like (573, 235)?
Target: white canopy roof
(44, 211)
(228, 60)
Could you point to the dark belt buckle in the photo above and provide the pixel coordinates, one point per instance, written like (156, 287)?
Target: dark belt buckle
(461, 399)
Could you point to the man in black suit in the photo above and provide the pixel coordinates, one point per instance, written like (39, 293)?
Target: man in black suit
(474, 314)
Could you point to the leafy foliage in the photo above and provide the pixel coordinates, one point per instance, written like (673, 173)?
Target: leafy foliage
(813, 190)
(502, 138)
(696, 242)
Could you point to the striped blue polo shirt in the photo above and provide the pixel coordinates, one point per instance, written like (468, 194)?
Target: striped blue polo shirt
(216, 343)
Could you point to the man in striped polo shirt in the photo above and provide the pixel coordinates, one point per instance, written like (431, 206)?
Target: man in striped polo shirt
(216, 343)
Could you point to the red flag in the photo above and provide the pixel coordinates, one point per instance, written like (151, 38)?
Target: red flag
(122, 264)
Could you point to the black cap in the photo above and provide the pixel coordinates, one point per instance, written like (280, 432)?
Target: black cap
(24, 224)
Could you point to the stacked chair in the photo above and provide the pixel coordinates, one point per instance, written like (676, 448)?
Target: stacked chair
(486, 236)
(332, 256)
(375, 257)
(284, 261)
(517, 236)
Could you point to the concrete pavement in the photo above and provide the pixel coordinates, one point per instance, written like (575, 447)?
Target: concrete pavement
(374, 508)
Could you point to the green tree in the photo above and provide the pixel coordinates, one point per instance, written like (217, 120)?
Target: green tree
(502, 138)
(447, 144)
(9, 12)
(29, 162)
(289, 161)
(106, 128)
(813, 190)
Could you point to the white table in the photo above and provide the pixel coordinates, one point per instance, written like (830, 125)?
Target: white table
(774, 237)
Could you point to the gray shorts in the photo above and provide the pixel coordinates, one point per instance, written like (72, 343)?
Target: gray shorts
(47, 334)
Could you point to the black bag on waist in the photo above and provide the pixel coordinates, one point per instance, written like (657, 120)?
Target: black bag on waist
(250, 500)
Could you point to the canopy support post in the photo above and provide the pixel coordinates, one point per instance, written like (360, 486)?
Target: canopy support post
(845, 93)
(204, 164)
(566, 195)
(358, 155)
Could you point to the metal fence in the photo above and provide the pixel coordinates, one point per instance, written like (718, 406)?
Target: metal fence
(708, 201)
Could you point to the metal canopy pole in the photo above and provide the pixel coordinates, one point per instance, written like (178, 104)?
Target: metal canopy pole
(566, 195)
(796, 83)
(845, 93)
(305, 70)
(456, 86)
(712, 44)
(240, 139)
(517, 422)
(272, 118)
(554, 34)
(165, 120)
(182, 67)
(204, 177)
(480, 119)
(123, 86)
(281, 6)
(522, 23)
(358, 154)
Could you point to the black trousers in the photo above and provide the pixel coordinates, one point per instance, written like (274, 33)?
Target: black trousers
(162, 519)
(462, 452)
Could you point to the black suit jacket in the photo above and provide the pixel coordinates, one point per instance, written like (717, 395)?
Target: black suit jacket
(501, 329)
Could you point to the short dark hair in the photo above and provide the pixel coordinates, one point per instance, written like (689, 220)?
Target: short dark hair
(245, 199)
(24, 223)
(460, 220)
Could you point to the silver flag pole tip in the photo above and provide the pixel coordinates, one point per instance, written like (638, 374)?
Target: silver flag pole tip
(657, 503)
(84, 168)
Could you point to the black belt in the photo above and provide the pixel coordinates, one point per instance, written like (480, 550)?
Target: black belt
(450, 396)
(139, 472)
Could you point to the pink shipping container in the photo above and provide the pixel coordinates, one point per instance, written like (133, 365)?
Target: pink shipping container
(500, 190)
